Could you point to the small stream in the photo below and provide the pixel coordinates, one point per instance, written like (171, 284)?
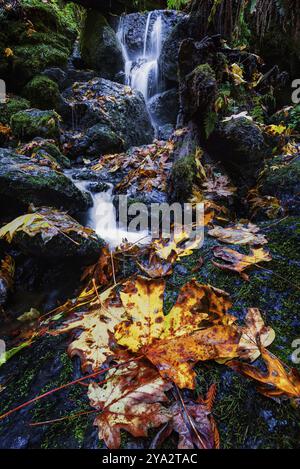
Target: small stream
(141, 73)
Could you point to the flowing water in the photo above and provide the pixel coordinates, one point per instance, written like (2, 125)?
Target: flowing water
(141, 73)
(142, 68)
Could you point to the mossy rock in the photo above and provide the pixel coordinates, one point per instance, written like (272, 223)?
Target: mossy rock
(13, 105)
(281, 179)
(32, 123)
(100, 47)
(47, 43)
(182, 178)
(23, 182)
(42, 92)
(45, 148)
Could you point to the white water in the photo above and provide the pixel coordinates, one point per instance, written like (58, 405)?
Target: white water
(102, 218)
(142, 70)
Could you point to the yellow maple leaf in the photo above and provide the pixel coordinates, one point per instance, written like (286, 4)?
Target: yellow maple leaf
(8, 52)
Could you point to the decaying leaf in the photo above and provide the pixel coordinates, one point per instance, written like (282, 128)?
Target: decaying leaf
(102, 272)
(254, 334)
(7, 270)
(130, 400)
(155, 267)
(193, 425)
(265, 203)
(239, 234)
(143, 302)
(45, 221)
(173, 342)
(92, 344)
(277, 382)
(237, 262)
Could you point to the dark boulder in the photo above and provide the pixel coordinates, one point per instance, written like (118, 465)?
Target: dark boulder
(23, 182)
(100, 47)
(32, 123)
(164, 107)
(65, 238)
(119, 112)
(239, 144)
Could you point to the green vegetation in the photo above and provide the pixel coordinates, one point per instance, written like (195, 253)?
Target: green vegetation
(42, 92)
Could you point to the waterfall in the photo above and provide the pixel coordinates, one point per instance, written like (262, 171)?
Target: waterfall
(142, 69)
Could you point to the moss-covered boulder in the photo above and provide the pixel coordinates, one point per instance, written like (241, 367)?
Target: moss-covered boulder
(119, 112)
(198, 92)
(23, 182)
(33, 123)
(239, 144)
(59, 236)
(42, 92)
(13, 105)
(100, 47)
(281, 179)
(44, 149)
(39, 35)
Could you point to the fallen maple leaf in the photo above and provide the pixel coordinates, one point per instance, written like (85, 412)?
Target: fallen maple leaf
(130, 400)
(238, 262)
(254, 334)
(193, 425)
(239, 234)
(143, 302)
(276, 382)
(92, 344)
(8, 52)
(173, 342)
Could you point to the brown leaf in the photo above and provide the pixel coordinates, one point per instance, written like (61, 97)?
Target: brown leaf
(93, 343)
(239, 234)
(130, 400)
(278, 381)
(254, 335)
(238, 262)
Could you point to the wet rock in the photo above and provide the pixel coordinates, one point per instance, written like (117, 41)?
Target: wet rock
(281, 179)
(165, 132)
(23, 182)
(170, 50)
(80, 242)
(42, 92)
(97, 140)
(198, 92)
(33, 123)
(100, 47)
(13, 105)
(44, 148)
(135, 26)
(164, 107)
(239, 144)
(117, 109)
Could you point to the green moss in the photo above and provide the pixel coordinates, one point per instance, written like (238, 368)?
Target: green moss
(42, 92)
(205, 69)
(13, 105)
(48, 41)
(183, 174)
(100, 48)
(35, 123)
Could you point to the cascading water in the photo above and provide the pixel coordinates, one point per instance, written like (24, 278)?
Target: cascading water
(142, 69)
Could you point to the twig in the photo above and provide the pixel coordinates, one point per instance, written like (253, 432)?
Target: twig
(71, 383)
(73, 416)
(113, 268)
(189, 419)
